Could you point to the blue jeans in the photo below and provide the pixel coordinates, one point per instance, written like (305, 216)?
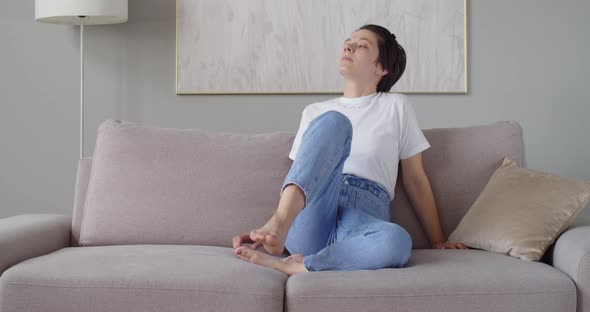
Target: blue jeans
(345, 222)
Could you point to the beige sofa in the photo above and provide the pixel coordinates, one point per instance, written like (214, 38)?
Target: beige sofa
(44, 268)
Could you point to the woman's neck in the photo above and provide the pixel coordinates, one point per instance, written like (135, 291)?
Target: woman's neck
(354, 89)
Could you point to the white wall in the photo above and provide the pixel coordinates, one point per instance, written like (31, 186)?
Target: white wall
(528, 61)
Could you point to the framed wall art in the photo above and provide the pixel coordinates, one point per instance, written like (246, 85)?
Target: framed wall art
(294, 46)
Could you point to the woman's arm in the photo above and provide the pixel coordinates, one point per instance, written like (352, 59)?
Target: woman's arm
(418, 188)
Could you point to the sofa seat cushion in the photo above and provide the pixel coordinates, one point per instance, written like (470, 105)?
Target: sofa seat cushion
(141, 278)
(436, 280)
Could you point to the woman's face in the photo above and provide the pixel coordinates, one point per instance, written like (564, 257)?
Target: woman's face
(358, 57)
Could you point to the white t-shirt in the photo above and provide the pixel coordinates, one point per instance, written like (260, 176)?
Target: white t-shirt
(385, 130)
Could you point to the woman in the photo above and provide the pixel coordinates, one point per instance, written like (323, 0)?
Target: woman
(334, 210)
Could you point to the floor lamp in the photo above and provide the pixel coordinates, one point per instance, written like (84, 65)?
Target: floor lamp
(81, 12)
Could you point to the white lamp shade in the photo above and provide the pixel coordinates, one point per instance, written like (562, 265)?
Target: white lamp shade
(96, 12)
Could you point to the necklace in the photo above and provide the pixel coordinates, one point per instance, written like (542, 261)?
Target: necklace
(343, 105)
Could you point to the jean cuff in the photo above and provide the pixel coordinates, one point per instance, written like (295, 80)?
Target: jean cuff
(306, 263)
(300, 186)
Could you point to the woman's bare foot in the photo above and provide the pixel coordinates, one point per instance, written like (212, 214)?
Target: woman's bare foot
(272, 235)
(290, 265)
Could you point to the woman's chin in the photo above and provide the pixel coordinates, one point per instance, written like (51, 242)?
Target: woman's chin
(348, 76)
(345, 72)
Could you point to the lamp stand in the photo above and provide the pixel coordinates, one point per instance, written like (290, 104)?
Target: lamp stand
(81, 90)
(87, 12)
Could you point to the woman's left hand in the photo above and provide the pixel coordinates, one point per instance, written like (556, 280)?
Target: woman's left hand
(443, 245)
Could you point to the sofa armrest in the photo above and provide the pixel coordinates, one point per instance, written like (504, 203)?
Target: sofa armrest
(571, 255)
(32, 235)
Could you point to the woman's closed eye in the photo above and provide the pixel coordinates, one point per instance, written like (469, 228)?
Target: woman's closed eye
(360, 46)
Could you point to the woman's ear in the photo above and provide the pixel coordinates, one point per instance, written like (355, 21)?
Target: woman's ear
(380, 71)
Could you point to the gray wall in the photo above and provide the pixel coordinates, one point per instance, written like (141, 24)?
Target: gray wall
(528, 61)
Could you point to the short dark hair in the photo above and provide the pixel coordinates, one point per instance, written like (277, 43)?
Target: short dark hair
(392, 56)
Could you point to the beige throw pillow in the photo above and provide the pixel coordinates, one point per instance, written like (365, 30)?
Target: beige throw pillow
(521, 212)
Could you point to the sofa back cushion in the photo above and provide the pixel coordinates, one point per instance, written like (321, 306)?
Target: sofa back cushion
(146, 185)
(459, 164)
(152, 185)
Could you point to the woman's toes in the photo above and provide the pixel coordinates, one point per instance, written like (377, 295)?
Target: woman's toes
(257, 257)
(273, 243)
(255, 236)
(245, 253)
(240, 253)
(292, 265)
(264, 237)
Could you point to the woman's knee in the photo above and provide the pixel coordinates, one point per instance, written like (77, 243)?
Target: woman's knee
(397, 244)
(337, 120)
